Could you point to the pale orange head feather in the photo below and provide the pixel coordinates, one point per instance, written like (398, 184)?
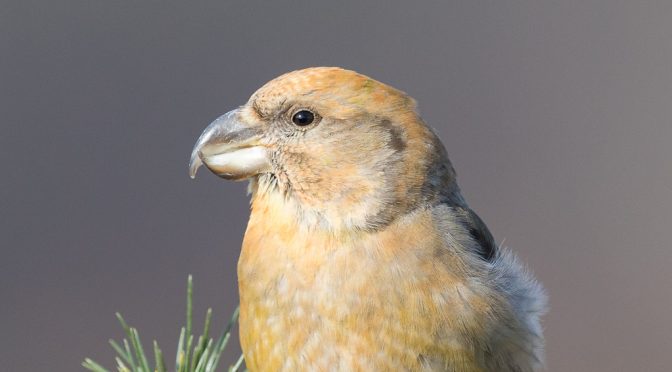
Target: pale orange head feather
(368, 153)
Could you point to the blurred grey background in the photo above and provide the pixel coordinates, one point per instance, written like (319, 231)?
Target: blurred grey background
(557, 116)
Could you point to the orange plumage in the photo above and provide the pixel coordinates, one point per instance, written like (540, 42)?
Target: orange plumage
(360, 252)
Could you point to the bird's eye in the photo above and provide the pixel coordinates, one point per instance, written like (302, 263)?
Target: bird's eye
(303, 118)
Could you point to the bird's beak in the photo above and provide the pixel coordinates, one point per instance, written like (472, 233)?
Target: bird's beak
(231, 148)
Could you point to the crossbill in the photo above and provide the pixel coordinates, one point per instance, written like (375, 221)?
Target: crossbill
(360, 253)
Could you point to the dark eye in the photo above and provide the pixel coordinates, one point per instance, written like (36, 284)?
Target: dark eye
(303, 117)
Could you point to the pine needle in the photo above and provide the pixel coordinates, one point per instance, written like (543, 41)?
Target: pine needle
(201, 356)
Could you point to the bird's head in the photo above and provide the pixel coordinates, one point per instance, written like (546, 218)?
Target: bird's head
(341, 148)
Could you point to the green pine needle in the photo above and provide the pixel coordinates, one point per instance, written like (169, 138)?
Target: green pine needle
(93, 366)
(201, 356)
(158, 359)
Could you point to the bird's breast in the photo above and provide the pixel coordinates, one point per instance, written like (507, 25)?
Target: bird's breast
(361, 301)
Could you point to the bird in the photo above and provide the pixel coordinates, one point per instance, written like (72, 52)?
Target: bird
(360, 253)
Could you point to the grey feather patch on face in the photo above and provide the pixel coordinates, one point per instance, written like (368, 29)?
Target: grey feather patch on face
(397, 137)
